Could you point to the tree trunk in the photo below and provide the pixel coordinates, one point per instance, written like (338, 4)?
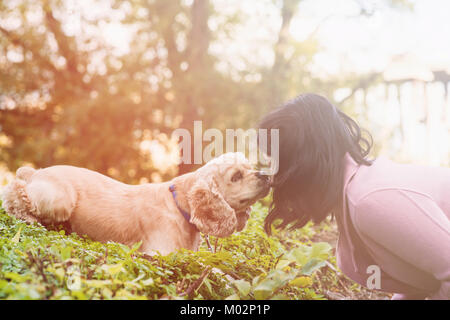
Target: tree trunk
(198, 64)
(280, 64)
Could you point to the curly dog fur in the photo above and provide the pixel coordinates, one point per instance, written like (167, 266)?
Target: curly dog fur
(217, 196)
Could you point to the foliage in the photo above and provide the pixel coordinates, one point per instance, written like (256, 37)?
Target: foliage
(70, 95)
(39, 264)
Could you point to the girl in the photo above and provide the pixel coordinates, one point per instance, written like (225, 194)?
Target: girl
(393, 219)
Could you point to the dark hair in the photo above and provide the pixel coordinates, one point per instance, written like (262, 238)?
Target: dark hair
(314, 137)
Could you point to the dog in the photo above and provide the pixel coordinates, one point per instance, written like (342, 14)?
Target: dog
(215, 200)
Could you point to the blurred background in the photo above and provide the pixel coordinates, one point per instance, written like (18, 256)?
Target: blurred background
(103, 83)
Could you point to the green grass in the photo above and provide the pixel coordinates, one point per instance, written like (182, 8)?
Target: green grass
(39, 264)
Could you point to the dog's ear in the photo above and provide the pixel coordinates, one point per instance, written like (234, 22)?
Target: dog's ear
(209, 211)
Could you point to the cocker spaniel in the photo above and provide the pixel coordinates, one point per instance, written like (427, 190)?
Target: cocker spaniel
(214, 199)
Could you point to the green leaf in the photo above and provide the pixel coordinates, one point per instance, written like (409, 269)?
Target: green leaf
(320, 250)
(312, 266)
(79, 295)
(148, 282)
(300, 255)
(283, 263)
(135, 247)
(114, 268)
(97, 283)
(66, 253)
(275, 280)
(263, 291)
(16, 277)
(243, 287)
(301, 282)
(16, 237)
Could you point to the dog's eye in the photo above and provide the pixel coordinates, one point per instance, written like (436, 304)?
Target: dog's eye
(237, 176)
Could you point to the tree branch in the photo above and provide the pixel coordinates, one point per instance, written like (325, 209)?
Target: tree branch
(199, 36)
(17, 41)
(67, 48)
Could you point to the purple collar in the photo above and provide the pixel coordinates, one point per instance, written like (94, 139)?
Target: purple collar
(185, 214)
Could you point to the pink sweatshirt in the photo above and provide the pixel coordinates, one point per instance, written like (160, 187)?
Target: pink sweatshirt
(396, 217)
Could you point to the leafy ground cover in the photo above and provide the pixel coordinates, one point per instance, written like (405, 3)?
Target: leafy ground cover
(39, 264)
